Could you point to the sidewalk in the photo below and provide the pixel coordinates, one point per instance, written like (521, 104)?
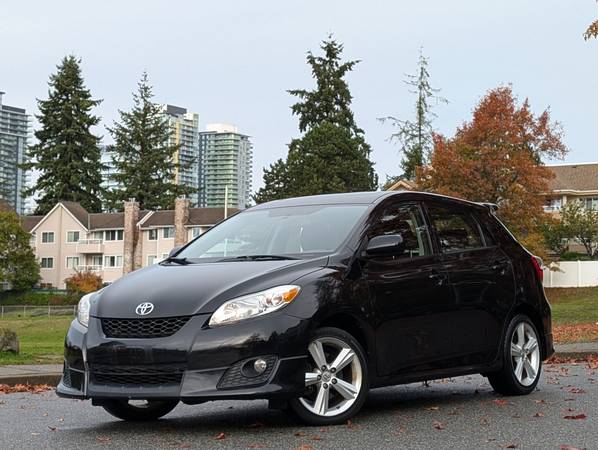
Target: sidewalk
(38, 374)
(51, 373)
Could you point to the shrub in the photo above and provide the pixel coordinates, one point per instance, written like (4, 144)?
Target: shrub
(83, 282)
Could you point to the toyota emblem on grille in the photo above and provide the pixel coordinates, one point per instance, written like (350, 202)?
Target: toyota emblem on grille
(143, 309)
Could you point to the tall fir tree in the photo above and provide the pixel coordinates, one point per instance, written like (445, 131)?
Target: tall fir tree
(332, 156)
(67, 153)
(144, 159)
(416, 137)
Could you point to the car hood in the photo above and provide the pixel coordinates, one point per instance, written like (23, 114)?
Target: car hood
(181, 290)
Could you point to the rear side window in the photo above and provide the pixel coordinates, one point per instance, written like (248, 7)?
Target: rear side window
(456, 230)
(406, 220)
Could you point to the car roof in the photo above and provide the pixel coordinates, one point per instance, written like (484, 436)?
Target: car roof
(364, 198)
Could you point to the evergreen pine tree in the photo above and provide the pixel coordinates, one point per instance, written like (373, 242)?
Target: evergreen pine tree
(332, 156)
(415, 137)
(144, 161)
(67, 153)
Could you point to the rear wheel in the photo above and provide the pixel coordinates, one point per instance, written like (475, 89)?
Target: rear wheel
(522, 359)
(336, 379)
(139, 410)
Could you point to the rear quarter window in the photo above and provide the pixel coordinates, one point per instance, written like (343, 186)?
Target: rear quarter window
(457, 230)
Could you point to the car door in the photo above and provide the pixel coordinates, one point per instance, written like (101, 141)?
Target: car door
(479, 274)
(409, 293)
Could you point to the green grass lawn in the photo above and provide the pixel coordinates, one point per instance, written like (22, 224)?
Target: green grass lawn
(41, 339)
(573, 305)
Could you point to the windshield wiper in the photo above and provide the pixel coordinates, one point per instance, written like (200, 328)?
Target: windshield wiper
(174, 259)
(257, 258)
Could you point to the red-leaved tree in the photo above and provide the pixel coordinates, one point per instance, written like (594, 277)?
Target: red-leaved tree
(497, 157)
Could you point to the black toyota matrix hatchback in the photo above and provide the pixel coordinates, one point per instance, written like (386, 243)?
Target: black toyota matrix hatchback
(310, 302)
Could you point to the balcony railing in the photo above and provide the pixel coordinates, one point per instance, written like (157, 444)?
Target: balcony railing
(92, 267)
(90, 246)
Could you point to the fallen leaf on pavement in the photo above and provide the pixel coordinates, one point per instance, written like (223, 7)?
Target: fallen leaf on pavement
(305, 447)
(568, 447)
(352, 426)
(255, 446)
(52, 428)
(500, 402)
(220, 437)
(432, 408)
(576, 416)
(438, 425)
(539, 414)
(511, 446)
(576, 391)
(103, 439)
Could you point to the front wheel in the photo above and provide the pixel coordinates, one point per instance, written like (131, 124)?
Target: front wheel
(522, 359)
(336, 379)
(139, 410)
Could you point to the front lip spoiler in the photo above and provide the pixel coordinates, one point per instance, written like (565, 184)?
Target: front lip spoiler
(198, 386)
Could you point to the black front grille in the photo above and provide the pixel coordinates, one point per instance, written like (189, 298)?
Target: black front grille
(143, 328)
(151, 375)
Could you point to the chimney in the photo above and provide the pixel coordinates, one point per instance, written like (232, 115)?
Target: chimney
(181, 217)
(131, 235)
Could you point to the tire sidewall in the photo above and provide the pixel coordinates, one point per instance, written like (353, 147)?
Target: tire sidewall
(313, 419)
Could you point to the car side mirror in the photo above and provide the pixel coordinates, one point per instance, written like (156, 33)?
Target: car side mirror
(386, 244)
(174, 251)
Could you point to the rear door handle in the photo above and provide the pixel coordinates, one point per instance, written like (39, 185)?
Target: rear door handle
(439, 277)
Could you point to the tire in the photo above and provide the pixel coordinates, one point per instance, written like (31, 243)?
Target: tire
(151, 410)
(510, 380)
(334, 395)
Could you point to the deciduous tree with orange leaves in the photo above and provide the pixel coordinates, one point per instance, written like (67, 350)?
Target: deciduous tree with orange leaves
(497, 157)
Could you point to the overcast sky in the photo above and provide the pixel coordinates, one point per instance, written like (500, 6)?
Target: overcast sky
(232, 61)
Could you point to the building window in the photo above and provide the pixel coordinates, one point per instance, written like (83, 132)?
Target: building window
(114, 235)
(153, 234)
(72, 236)
(553, 204)
(590, 203)
(113, 261)
(151, 259)
(96, 261)
(168, 233)
(47, 237)
(72, 262)
(196, 231)
(47, 263)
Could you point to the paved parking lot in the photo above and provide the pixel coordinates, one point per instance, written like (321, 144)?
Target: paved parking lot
(456, 413)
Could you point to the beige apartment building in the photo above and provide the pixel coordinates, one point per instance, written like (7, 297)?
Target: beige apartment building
(69, 239)
(572, 182)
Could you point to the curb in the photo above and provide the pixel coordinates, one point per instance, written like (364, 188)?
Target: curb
(34, 378)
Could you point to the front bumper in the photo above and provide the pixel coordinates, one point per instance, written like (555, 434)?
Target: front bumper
(195, 364)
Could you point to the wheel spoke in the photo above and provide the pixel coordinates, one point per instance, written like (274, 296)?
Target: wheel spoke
(317, 353)
(321, 403)
(519, 369)
(531, 345)
(531, 372)
(347, 390)
(521, 334)
(516, 350)
(311, 378)
(344, 357)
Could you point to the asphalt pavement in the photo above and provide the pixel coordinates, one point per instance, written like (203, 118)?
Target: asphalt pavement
(454, 413)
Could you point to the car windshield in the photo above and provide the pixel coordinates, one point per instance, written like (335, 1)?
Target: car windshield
(291, 232)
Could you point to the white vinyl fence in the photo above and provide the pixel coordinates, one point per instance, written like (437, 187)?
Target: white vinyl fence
(23, 312)
(571, 274)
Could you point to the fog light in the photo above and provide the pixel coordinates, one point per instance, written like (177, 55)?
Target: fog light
(260, 366)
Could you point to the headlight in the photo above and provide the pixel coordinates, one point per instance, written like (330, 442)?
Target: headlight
(83, 309)
(254, 305)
